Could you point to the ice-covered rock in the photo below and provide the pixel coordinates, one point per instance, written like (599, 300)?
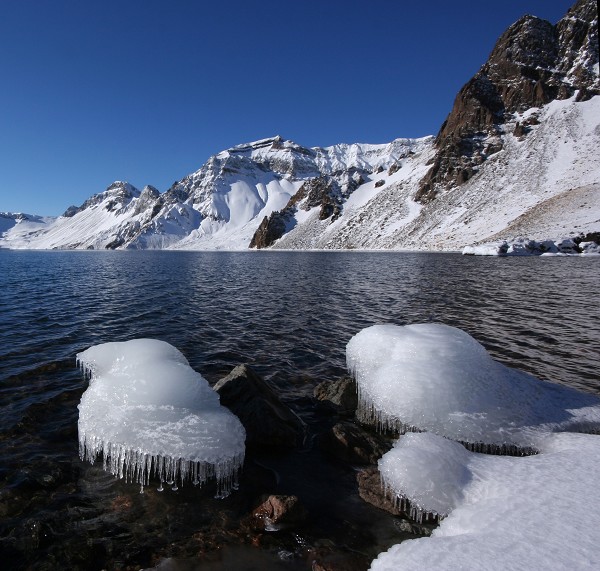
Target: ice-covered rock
(527, 247)
(537, 512)
(147, 412)
(437, 378)
(497, 512)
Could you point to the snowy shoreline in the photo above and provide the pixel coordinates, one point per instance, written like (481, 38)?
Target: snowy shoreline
(580, 246)
(450, 401)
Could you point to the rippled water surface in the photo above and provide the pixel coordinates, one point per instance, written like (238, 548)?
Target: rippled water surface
(289, 314)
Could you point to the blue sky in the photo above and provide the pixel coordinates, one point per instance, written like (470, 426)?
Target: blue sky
(146, 90)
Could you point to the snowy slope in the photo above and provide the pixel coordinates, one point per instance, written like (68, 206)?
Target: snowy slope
(220, 206)
(516, 157)
(544, 184)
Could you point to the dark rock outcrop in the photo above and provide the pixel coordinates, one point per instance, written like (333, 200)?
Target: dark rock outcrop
(533, 63)
(270, 230)
(279, 510)
(340, 394)
(351, 443)
(269, 423)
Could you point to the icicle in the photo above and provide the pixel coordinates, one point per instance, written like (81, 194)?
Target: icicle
(127, 409)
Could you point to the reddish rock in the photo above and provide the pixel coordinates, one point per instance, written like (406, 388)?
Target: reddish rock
(280, 510)
(353, 444)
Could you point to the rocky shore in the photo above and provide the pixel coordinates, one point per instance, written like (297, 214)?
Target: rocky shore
(310, 496)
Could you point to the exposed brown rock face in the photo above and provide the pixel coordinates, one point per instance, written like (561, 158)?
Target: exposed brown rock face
(322, 191)
(270, 229)
(533, 63)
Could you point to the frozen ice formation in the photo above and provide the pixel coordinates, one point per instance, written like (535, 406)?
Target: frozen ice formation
(149, 413)
(505, 512)
(527, 247)
(498, 512)
(436, 378)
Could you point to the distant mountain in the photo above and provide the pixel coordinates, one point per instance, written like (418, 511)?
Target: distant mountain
(517, 155)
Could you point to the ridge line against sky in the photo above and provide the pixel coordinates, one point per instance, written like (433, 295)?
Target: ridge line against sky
(145, 91)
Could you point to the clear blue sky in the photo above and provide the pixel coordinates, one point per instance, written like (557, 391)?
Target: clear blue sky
(147, 90)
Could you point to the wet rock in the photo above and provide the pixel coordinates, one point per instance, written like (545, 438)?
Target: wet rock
(412, 527)
(279, 510)
(353, 444)
(371, 491)
(340, 562)
(269, 423)
(340, 394)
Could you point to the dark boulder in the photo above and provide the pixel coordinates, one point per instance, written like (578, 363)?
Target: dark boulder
(269, 423)
(370, 489)
(340, 394)
(279, 510)
(353, 444)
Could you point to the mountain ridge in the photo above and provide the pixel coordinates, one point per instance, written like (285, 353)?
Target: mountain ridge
(521, 133)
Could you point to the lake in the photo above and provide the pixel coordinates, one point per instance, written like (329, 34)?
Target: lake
(289, 315)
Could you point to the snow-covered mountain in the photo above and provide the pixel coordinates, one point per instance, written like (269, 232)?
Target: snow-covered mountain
(516, 156)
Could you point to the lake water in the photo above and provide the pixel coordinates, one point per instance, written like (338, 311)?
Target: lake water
(288, 314)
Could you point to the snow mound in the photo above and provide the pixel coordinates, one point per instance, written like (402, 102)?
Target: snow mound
(148, 412)
(526, 247)
(436, 378)
(537, 512)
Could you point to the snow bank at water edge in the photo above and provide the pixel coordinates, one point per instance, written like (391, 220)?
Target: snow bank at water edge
(536, 512)
(148, 412)
(526, 247)
(437, 378)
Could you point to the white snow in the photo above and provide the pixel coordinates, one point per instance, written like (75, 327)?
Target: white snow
(537, 512)
(543, 186)
(436, 378)
(532, 512)
(148, 412)
(526, 247)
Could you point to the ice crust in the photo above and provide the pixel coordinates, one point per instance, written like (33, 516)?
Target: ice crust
(526, 247)
(536, 512)
(540, 511)
(436, 378)
(147, 412)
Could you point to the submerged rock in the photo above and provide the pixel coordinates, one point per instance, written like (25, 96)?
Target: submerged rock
(371, 491)
(340, 394)
(269, 423)
(353, 444)
(279, 510)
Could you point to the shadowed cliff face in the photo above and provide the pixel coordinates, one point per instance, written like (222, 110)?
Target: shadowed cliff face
(533, 63)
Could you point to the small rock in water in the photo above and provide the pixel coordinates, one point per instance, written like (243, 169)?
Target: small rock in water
(279, 510)
(269, 423)
(340, 393)
(351, 443)
(371, 491)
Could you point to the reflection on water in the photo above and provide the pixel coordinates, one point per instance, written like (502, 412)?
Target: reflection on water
(289, 314)
(292, 313)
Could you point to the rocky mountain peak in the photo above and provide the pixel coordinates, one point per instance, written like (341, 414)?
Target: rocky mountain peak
(533, 62)
(117, 193)
(150, 191)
